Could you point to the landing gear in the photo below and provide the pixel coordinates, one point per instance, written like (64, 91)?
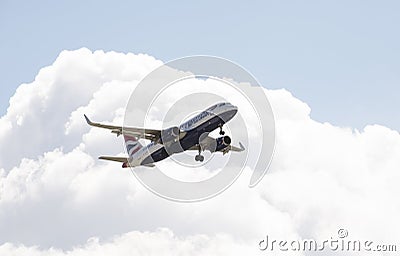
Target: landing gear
(199, 157)
(221, 132)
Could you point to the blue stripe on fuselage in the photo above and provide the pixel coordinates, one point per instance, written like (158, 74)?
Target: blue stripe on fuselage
(192, 136)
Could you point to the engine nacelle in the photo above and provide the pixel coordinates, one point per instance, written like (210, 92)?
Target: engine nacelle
(170, 138)
(223, 143)
(170, 135)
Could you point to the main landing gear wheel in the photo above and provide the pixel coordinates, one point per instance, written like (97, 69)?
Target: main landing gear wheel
(199, 158)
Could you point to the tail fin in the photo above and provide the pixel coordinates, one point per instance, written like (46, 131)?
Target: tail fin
(132, 144)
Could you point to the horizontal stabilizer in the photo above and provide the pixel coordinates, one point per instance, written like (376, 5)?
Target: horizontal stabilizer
(114, 158)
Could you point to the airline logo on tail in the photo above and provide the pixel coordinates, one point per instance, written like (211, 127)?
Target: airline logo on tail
(132, 144)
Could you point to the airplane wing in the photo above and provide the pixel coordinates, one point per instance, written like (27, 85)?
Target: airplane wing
(149, 134)
(209, 143)
(114, 158)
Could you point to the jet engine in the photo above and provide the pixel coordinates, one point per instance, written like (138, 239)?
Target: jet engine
(170, 139)
(171, 135)
(223, 144)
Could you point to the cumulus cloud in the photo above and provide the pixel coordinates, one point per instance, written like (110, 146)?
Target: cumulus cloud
(56, 198)
(160, 242)
(42, 115)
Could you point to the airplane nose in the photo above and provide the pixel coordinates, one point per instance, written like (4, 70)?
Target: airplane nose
(235, 111)
(234, 108)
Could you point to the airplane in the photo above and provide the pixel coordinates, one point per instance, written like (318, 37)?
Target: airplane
(190, 135)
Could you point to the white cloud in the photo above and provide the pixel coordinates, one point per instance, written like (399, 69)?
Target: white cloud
(160, 242)
(40, 112)
(328, 177)
(54, 193)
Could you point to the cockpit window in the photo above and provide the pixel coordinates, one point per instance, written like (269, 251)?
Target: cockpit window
(216, 105)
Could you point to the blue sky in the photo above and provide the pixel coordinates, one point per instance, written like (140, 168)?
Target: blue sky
(341, 57)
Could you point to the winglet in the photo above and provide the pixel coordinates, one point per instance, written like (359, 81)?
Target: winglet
(233, 148)
(87, 120)
(241, 146)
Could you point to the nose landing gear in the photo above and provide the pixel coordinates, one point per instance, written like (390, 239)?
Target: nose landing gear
(221, 132)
